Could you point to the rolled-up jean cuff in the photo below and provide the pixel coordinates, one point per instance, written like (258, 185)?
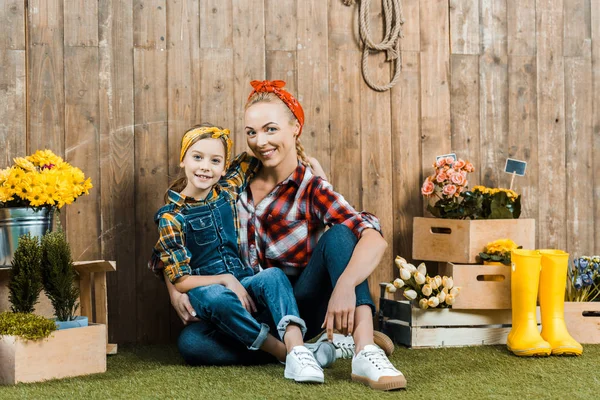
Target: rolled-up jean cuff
(288, 319)
(367, 303)
(260, 339)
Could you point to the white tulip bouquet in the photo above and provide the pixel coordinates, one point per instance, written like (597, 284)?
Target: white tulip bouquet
(436, 292)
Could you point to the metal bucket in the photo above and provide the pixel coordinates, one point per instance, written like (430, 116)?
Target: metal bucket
(16, 221)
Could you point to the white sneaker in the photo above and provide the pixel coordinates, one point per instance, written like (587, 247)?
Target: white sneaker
(324, 352)
(372, 367)
(301, 366)
(344, 345)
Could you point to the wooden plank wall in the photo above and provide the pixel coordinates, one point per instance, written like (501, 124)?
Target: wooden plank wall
(111, 85)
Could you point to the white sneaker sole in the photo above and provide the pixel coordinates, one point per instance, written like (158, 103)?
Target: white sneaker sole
(303, 378)
(384, 383)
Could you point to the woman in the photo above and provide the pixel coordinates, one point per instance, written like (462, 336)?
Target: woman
(283, 215)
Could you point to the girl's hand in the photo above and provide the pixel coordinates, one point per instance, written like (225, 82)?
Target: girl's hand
(340, 311)
(183, 307)
(236, 287)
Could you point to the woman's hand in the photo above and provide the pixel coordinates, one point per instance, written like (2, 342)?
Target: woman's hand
(340, 311)
(183, 307)
(236, 287)
(317, 168)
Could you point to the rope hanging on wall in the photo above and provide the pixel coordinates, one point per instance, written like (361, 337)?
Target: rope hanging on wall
(392, 15)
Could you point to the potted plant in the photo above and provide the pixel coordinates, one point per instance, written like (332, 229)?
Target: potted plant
(58, 278)
(498, 252)
(25, 282)
(582, 299)
(30, 191)
(25, 325)
(465, 220)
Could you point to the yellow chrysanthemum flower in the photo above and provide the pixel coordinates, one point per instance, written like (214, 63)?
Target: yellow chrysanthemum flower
(25, 164)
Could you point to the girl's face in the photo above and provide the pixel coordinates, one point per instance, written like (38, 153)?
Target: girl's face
(270, 135)
(204, 165)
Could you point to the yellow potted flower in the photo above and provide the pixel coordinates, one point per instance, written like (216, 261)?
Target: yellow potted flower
(30, 190)
(498, 252)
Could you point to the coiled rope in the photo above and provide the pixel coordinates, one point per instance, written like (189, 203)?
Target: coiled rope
(392, 13)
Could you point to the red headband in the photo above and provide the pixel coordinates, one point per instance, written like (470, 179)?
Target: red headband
(290, 101)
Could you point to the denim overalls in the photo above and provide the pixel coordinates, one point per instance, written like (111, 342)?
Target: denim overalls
(211, 238)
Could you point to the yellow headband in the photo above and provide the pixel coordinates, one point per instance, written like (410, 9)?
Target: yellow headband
(191, 136)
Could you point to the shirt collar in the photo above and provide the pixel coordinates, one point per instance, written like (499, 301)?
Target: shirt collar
(181, 199)
(297, 176)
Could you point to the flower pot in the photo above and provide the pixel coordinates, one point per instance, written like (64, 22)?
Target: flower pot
(16, 221)
(78, 322)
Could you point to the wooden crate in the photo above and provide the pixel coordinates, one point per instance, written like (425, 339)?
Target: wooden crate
(461, 241)
(583, 321)
(411, 326)
(69, 352)
(483, 287)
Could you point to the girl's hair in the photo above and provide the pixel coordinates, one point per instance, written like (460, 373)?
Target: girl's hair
(268, 97)
(181, 181)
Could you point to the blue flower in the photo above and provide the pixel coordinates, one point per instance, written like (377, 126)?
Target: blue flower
(578, 283)
(583, 264)
(587, 280)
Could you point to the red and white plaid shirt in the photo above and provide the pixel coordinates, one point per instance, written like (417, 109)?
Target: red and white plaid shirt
(284, 228)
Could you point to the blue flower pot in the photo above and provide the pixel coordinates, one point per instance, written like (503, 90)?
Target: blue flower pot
(78, 322)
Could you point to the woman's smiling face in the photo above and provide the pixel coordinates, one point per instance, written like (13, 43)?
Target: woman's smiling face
(271, 134)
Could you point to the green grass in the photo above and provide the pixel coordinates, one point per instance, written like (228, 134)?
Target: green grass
(490, 372)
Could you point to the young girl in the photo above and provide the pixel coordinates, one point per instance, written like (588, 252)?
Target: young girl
(198, 247)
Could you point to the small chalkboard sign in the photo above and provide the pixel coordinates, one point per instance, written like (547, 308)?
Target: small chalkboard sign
(453, 155)
(515, 167)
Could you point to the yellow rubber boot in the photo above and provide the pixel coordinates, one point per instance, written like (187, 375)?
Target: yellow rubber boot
(553, 282)
(524, 338)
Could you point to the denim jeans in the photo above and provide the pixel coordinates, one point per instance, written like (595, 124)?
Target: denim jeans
(271, 292)
(205, 343)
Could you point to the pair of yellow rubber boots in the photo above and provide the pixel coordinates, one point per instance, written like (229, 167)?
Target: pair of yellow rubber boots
(546, 269)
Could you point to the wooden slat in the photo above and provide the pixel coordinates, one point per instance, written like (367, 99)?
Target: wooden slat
(579, 144)
(493, 70)
(81, 23)
(12, 18)
(217, 81)
(282, 65)
(345, 106)
(95, 266)
(376, 155)
(281, 24)
(150, 101)
(82, 148)
(435, 85)
(464, 110)
(313, 79)
(522, 129)
(595, 16)
(13, 115)
(406, 154)
(216, 24)
(248, 60)
(85, 295)
(149, 24)
(100, 298)
(464, 27)
(577, 29)
(551, 124)
(411, 39)
(45, 87)
(117, 164)
(183, 32)
(521, 27)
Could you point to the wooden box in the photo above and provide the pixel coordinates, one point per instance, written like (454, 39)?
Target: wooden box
(483, 287)
(461, 241)
(69, 352)
(583, 321)
(411, 326)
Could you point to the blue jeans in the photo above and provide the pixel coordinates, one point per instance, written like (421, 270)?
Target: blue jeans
(204, 343)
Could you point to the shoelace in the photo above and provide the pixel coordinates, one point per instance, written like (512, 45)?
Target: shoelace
(307, 359)
(378, 359)
(347, 349)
